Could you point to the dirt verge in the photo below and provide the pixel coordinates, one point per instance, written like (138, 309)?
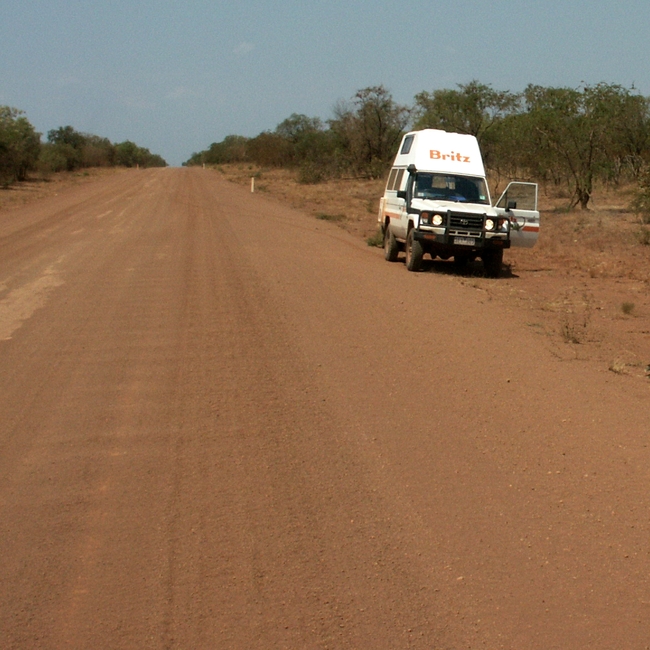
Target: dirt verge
(38, 187)
(586, 285)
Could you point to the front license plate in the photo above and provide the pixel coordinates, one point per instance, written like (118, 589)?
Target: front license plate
(464, 241)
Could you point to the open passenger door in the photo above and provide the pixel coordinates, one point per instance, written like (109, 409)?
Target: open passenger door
(519, 204)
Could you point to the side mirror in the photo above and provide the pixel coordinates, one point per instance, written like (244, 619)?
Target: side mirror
(401, 194)
(512, 205)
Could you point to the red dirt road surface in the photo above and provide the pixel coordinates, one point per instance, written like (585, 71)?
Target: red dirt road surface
(225, 424)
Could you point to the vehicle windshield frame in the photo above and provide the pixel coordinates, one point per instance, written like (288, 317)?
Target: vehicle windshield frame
(457, 188)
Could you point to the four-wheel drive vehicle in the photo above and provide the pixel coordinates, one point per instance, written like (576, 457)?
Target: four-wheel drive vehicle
(437, 201)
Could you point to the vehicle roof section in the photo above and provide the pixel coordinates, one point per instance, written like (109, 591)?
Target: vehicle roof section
(432, 150)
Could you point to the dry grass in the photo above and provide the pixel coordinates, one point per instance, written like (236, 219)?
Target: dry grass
(602, 242)
(606, 241)
(578, 282)
(627, 308)
(37, 187)
(574, 283)
(617, 366)
(352, 203)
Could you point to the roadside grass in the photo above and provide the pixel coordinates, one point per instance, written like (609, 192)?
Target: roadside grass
(643, 235)
(600, 252)
(627, 308)
(356, 200)
(376, 239)
(42, 184)
(605, 241)
(324, 216)
(617, 366)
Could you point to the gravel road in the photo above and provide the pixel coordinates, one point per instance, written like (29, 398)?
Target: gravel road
(226, 424)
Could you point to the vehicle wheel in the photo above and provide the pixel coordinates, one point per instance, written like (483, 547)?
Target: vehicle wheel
(492, 261)
(414, 252)
(391, 247)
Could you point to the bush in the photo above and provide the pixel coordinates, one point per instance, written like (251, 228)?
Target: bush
(323, 216)
(52, 159)
(643, 235)
(19, 145)
(641, 202)
(310, 174)
(627, 308)
(376, 240)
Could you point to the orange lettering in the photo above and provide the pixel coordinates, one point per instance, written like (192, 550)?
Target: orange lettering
(434, 154)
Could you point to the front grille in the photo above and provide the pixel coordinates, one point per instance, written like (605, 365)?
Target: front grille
(465, 223)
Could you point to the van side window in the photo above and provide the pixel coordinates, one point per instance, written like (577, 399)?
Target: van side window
(391, 178)
(398, 180)
(406, 146)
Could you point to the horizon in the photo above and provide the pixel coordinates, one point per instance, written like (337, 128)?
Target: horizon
(176, 79)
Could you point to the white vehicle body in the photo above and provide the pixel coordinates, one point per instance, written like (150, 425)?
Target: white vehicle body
(437, 201)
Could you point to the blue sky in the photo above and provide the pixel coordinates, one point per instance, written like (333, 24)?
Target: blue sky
(175, 76)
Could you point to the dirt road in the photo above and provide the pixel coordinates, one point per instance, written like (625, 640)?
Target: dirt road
(228, 425)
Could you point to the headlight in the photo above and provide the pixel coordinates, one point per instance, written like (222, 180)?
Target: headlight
(437, 220)
(489, 224)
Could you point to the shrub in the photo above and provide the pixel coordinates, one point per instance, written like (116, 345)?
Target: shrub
(641, 202)
(330, 217)
(310, 174)
(20, 145)
(643, 235)
(627, 308)
(376, 239)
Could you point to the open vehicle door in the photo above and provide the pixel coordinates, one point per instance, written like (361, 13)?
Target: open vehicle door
(519, 204)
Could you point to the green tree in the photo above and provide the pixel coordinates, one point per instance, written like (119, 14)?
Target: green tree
(269, 149)
(306, 136)
(68, 149)
(574, 130)
(297, 126)
(97, 152)
(66, 135)
(311, 147)
(129, 154)
(231, 149)
(628, 133)
(641, 201)
(19, 145)
(474, 108)
(367, 131)
(54, 158)
(67, 144)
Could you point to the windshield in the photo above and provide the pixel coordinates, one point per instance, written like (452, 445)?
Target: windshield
(450, 187)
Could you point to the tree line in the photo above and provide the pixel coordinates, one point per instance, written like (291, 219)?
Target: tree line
(571, 137)
(22, 151)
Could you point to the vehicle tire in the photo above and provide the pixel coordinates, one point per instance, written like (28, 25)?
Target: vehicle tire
(492, 261)
(391, 247)
(414, 252)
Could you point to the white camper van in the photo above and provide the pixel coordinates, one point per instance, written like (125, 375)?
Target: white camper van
(437, 201)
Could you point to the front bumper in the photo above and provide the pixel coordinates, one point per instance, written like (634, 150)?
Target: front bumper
(467, 241)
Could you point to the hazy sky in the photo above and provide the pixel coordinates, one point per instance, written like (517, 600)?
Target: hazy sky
(175, 76)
